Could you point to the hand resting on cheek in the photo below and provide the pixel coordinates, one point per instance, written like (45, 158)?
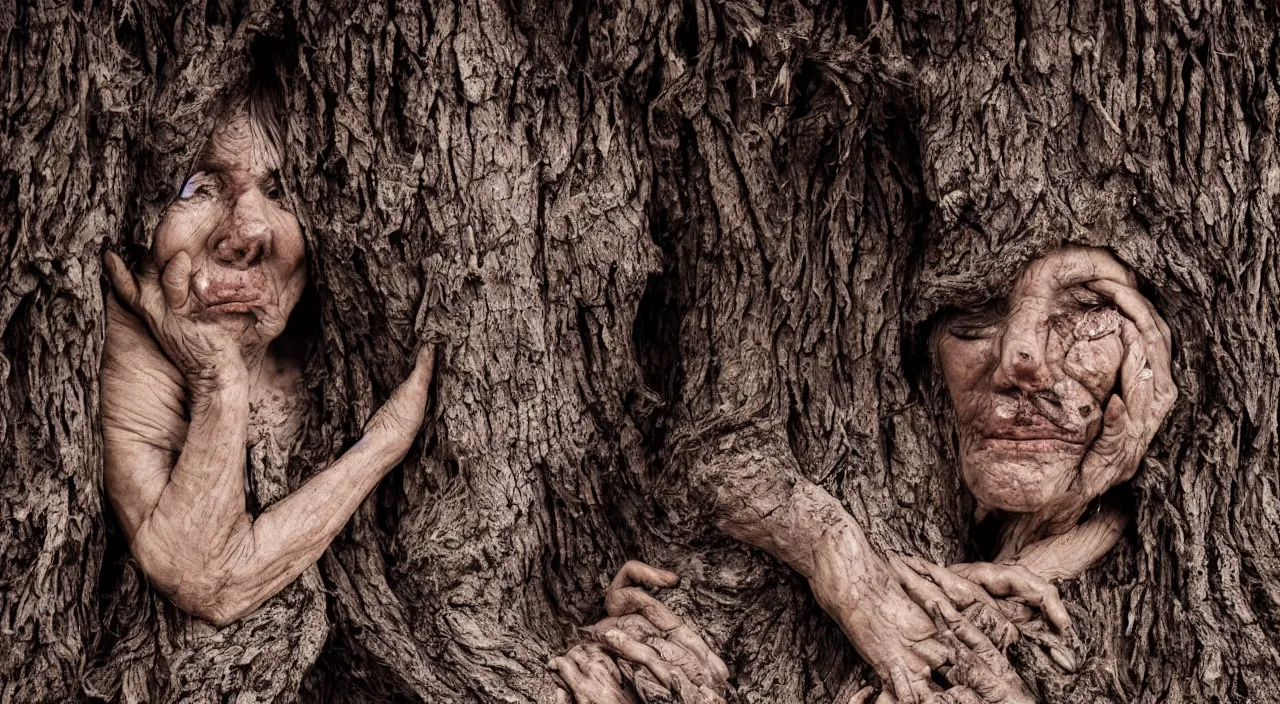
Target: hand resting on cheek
(1058, 390)
(189, 346)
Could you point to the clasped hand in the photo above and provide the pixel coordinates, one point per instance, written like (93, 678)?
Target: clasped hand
(642, 648)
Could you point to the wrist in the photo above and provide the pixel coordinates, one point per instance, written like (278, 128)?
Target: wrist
(229, 377)
(850, 580)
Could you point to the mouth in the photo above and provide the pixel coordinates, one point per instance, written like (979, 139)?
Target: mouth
(230, 307)
(228, 295)
(1031, 433)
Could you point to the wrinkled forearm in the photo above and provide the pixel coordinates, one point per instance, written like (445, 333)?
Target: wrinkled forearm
(761, 498)
(293, 533)
(184, 544)
(208, 554)
(1069, 554)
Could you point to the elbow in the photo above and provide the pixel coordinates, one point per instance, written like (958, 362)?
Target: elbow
(220, 606)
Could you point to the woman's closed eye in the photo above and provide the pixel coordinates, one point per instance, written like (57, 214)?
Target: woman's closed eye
(975, 323)
(1086, 299)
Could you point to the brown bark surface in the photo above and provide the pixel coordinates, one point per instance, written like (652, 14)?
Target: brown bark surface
(668, 251)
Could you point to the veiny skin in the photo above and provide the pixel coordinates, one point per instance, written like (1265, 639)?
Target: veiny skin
(192, 343)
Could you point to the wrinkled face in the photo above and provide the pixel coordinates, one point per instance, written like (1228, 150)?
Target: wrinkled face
(1029, 376)
(246, 250)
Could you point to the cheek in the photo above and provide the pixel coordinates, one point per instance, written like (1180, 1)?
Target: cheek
(965, 367)
(291, 262)
(183, 229)
(1095, 364)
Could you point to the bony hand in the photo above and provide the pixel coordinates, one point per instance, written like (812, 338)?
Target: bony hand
(1133, 416)
(394, 426)
(645, 643)
(996, 599)
(207, 355)
(959, 651)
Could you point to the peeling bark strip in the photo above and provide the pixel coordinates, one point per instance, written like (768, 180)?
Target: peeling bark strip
(667, 249)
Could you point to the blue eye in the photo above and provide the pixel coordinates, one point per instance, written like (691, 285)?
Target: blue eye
(189, 188)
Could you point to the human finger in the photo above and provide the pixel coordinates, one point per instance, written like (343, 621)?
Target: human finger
(961, 591)
(624, 597)
(1138, 380)
(1018, 581)
(424, 366)
(979, 665)
(176, 280)
(638, 626)
(969, 640)
(634, 625)
(1055, 644)
(633, 600)
(585, 688)
(924, 593)
(685, 636)
(635, 572)
(123, 282)
(592, 659)
(1137, 308)
(903, 687)
(707, 695)
(862, 695)
(680, 657)
(640, 654)
(971, 599)
(993, 622)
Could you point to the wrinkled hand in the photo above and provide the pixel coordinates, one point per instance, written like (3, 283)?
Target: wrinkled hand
(394, 426)
(966, 654)
(997, 599)
(1134, 415)
(644, 643)
(208, 356)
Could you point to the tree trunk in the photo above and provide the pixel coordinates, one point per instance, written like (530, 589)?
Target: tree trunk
(647, 239)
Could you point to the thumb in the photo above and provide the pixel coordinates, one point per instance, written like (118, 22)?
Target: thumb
(126, 287)
(176, 280)
(1104, 465)
(423, 368)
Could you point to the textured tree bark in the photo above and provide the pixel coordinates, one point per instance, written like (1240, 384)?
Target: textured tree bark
(670, 252)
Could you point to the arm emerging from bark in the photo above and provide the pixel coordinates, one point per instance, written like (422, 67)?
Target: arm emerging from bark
(760, 497)
(177, 484)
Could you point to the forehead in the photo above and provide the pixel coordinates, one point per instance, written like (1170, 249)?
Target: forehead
(238, 144)
(1069, 267)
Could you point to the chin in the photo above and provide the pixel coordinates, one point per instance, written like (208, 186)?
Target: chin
(1024, 483)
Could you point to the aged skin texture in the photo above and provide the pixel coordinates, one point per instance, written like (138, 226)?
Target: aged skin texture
(642, 644)
(1073, 330)
(197, 362)
(1058, 389)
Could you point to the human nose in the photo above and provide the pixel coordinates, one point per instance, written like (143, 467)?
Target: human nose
(1023, 346)
(244, 236)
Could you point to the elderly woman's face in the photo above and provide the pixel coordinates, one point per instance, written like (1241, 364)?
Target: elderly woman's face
(1028, 376)
(246, 249)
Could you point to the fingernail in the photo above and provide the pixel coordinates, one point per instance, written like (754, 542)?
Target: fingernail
(1064, 658)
